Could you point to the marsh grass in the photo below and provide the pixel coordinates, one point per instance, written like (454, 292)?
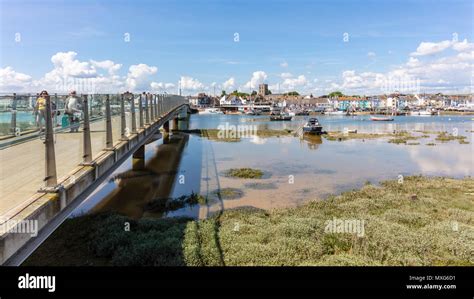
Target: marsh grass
(213, 134)
(228, 193)
(244, 173)
(161, 205)
(399, 231)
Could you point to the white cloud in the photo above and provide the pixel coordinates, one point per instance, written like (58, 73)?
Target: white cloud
(286, 75)
(108, 65)
(189, 83)
(258, 77)
(65, 64)
(428, 48)
(371, 54)
(284, 64)
(463, 46)
(229, 84)
(138, 77)
(12, 80)
(292, 83)
(160, 86)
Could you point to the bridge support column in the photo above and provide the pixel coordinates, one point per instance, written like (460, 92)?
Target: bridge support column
(166, 126)
(123, 121)
(156, 107)
(109, 144)
(50, 156)
(134, 117)
(147, 110)
(175, 123)
(138, 158)
(140, 111)
(87, 148)
(152, 108)
(13, 119)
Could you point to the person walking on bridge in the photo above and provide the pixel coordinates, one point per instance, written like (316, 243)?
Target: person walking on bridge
(73, 111)
(40, 110)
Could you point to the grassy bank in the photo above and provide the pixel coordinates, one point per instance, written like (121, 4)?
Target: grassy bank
(422, 221)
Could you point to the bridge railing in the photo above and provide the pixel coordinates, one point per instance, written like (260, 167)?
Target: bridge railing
(70, 140)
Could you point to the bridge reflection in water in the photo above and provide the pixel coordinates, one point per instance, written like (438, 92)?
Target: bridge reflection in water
(156, 179)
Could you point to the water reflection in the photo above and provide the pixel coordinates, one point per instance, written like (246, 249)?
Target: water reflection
(313, 141)
(145, 182)
(318, 168)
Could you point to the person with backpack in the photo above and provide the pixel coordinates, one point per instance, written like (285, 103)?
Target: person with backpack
(73, 111)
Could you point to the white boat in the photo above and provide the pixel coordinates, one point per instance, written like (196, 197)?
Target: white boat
(338, 112)
(422, 113)
(210, 111)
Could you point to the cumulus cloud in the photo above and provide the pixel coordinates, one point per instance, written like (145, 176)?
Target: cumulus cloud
(161, 86)
(258, 77)
(189, 83)
(229, 84)
(91, 76)
(420, 72)
(107, 65)
(138, 77)
(293, 83)
(284, 64)
(286, 75)
(12, 80)
(428, 48)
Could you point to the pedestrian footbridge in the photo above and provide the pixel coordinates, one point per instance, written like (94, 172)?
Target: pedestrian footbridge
(46, 175)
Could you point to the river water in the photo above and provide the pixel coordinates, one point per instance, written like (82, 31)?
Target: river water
(296, 170)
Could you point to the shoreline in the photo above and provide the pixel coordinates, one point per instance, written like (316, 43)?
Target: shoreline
(421, 221)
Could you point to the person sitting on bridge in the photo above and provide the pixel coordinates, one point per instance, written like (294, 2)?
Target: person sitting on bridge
(73, 110)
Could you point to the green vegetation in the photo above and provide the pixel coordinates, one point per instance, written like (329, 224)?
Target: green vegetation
(431, 144)
(239, 94)
(422, 221)
(261, 186)
(341, 136)
(446, 137)
(228, 193)
(213, 134)
(291, 93)
(335, 94)
(171, 204)
(244, 173)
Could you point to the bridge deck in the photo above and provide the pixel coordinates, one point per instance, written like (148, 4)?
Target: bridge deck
(22, 165)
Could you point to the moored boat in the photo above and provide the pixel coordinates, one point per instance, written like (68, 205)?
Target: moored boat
(423, 113)
(210, 111)
(281, 117)
(313, 126)
(374, 118)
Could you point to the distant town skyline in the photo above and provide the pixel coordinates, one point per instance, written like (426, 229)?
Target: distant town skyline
(313, 47)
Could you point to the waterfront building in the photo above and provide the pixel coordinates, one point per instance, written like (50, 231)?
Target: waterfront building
(263, 89)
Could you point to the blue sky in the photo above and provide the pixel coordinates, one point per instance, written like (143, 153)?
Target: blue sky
(196, 40)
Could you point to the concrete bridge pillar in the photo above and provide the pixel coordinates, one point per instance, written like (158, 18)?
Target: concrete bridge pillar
(138, 158)
(166, 126)
(175, 123)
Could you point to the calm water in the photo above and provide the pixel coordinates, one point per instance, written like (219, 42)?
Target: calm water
(296, 170)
